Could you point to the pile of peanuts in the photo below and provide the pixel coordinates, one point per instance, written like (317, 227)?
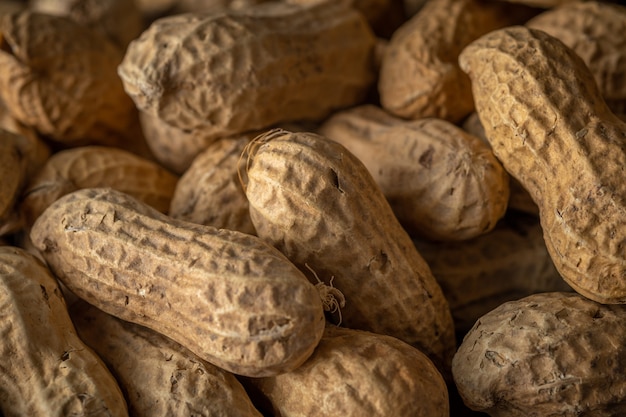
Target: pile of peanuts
(300, 208)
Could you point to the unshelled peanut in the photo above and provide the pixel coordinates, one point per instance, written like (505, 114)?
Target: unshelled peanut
(227, 296)
(47, 370)
(97, 166)
(546, 355)
(441, 182)
(160, 378)
(229, 73)
(355, 373)
(315, 201)
(549, 125)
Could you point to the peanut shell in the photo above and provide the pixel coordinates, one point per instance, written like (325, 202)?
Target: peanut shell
(546, 355)
(441, 182)
(355, 373)
(228, 73)
(48, 370)
(97, 166)
(228, 297)
(316, 202)
(160, 377)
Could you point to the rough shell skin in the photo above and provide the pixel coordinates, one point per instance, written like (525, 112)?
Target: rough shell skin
(159, 377)
(315, 201)
(519, 199)
(210, 191)
(441, 182)
(119, 20)
(226, 296)
(596, 31)
(229, 73)
(420, 76)
(60, 78)
(547, 123)
(546, 355)
(97, 166)
(477, 275)
(12, 178)
(48, 371)
(355, 373)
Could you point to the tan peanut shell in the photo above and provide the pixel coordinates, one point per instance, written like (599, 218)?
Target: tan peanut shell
(210, 191)
(546, 4)
(119, 20)
(547, 122)
(316, 202)
(596, 31)
(226, 296)
(420, 76)
(519, 199)
(47, 370)
(546, 355)
(479, 274)
(229, 73)
(60, 78)
(441, 182)
(97, 166)
(355, 373)
(160, 378)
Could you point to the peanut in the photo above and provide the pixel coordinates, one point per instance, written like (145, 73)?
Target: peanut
(67, 89)
(441, 182)
(226, 296)
(548, 124)
(596, 31)
(219, 72)
(159, 376)
(317, 203)
(210, 193)
(546, 355)
(48, 370)
(355, 373)
(420, 76)
(97, 166)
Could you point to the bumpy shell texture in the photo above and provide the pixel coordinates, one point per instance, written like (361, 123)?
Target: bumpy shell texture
(547, 122)
(228, 73)
(60, 78)
(227, 296)
(546, 355)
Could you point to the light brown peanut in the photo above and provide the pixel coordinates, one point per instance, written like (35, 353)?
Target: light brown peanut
(441, 182)
(160, 378)
(229, 73)
(545, 355)
(547, 122)
(316, 202)
(355, 373)
(97, 166)
(420, 76)
(210, 192)
(226, 296)
(60, 78)
(48, 371)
